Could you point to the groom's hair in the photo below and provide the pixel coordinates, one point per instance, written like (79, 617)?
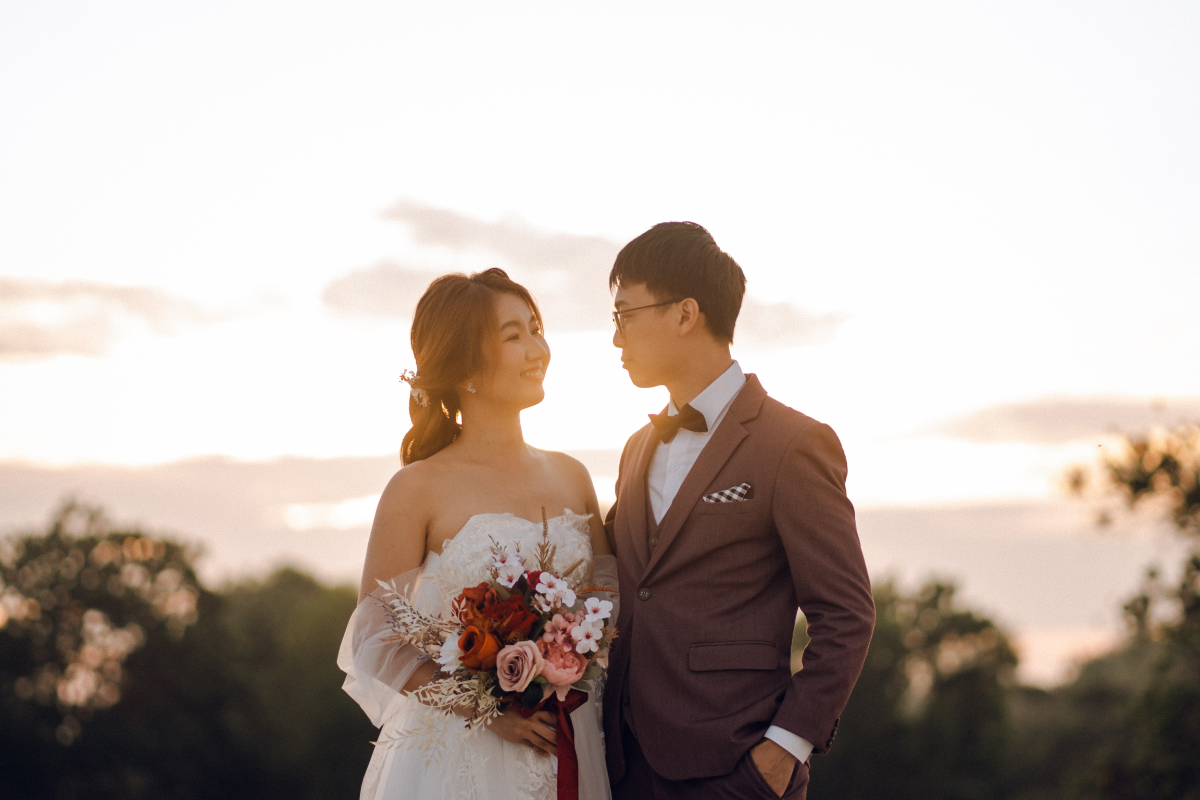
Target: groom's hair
(677, 260)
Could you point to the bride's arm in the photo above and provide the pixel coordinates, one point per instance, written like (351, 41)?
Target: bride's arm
(399, 530)
(396, 551)
(378, 672)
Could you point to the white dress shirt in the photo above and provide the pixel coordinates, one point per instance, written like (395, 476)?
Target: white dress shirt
(671, 463)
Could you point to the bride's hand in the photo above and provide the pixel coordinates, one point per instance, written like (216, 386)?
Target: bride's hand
(537, 731)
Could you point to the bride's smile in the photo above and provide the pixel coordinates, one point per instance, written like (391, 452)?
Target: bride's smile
(518, 365)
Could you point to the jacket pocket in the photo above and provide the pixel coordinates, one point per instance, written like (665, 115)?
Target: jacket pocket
(732, 507)
(710, 657)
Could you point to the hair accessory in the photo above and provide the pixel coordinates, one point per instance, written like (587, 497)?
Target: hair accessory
(470, 387)
(419, 395)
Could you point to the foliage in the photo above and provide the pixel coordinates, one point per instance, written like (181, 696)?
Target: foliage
(305, 736)
(1062, 736)
(1158, 757)
(95, 619)
(1161, 469)
(1155, 756)
(121, 677)
(927, 718)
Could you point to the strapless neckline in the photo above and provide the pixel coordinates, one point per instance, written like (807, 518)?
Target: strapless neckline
(568, 515)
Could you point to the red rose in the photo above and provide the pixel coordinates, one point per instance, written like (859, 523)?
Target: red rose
(469, 602)
(479, 649)
(510, 619)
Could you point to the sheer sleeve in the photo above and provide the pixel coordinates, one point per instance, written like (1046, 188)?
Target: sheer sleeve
(377, 669)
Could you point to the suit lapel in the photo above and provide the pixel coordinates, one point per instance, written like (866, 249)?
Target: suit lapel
(634, 499)
(728, 435)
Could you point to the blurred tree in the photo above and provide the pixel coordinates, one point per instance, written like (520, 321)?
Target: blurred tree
(121, 677)
(1062, 736)
(1157, 754)
(928, 716)
(1160, 470)
(309, 739)
(107, 685)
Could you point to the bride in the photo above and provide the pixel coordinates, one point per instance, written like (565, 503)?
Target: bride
(481, 357)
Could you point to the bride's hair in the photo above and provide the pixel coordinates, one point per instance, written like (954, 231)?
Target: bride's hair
(454, 331)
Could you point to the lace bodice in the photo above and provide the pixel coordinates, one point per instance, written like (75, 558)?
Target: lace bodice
(465, 559)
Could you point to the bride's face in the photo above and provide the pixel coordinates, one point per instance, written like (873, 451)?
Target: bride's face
(522, 358)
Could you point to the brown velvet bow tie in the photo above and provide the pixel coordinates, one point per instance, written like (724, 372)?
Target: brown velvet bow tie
(688, 418)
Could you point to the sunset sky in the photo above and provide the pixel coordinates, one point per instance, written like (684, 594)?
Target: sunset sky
(971, 233)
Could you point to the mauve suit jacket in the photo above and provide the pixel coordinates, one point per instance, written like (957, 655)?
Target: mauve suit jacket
(707, 615)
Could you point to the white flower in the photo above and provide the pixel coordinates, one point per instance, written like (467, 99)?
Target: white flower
(507, 564)
(508, 573)
(597, 609)
(587, 635)
(450, 653)
(543, 604)
(556, 589)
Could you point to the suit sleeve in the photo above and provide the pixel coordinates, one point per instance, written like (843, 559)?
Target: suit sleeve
(610, 519)
(815, 521)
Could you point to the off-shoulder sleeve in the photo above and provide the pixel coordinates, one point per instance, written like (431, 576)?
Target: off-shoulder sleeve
(377, 669)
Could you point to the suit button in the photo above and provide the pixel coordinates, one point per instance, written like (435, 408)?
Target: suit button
(654, 542)
(643, 594)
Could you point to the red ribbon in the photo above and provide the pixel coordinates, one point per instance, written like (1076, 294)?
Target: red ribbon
(564, 735)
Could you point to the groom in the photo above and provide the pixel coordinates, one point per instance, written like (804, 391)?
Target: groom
(731, 513)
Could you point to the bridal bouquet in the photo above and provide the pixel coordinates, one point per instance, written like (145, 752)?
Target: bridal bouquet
(524, 638)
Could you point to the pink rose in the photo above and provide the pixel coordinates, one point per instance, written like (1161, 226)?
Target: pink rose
(517, 665)
(561, 668)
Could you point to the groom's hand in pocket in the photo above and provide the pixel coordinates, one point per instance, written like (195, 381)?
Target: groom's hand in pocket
(775, 765)
(537, 731)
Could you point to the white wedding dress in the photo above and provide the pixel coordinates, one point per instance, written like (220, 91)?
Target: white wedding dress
(428, 754)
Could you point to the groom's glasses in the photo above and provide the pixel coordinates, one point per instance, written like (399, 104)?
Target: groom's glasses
(618, 314)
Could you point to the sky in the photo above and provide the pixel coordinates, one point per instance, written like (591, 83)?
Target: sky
(971, 234)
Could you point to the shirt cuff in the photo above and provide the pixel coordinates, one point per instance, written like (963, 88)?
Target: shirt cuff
(798, 746)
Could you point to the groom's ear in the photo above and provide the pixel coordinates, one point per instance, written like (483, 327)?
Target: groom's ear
(690, 317)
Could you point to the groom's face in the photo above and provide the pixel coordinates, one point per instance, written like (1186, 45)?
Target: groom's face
(646, 337)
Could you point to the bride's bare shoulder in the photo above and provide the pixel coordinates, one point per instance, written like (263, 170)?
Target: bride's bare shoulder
(582, 493)
(570, 468)
(561, 461)
(408, 491)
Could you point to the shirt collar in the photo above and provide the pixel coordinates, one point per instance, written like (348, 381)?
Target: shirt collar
(716, 396)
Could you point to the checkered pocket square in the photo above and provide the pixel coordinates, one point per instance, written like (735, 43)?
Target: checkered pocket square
(733, 494)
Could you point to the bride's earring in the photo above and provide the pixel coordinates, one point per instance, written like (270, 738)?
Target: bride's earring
(470, 387)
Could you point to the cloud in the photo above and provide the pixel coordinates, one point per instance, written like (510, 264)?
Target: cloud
(782, 324)
(513, 239)
(39, 319)
(567, 273)
(1058, 420)
(385, 290)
